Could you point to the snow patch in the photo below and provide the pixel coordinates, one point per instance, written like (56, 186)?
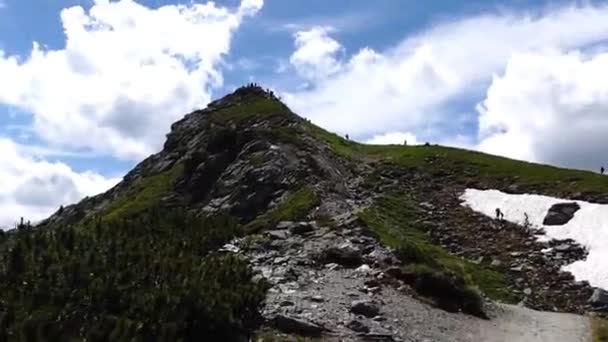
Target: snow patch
(588, 227)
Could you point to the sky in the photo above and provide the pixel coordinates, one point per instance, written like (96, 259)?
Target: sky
(88, 88)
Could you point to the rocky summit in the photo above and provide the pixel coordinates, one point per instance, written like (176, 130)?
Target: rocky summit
(253, 223)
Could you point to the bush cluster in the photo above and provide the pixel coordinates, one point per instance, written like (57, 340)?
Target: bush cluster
(155, 277)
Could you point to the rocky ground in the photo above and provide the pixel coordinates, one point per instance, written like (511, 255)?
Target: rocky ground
(335, 281)
(533, 267)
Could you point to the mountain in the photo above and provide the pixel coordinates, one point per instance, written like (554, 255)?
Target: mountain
(252, 220)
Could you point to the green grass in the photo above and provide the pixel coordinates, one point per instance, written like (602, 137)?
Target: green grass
(391, 219)
(467, 164)
(294, 208)
(339, 145)
(599, 329)
(144, 194)
(252, 107)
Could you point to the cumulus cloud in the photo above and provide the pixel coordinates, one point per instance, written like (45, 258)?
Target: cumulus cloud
(33, 188)
(550, 107)
(126, 73)
(315, 54)
(393, 138)
(412, 86)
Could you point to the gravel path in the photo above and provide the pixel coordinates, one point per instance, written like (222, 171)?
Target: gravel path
(521, 324)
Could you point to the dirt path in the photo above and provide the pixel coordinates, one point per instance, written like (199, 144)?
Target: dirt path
(514, 323)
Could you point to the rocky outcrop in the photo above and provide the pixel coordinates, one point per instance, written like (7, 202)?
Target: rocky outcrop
(599, 300)
(560, 213)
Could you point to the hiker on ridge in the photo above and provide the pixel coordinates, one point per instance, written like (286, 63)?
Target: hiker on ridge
(602, 170)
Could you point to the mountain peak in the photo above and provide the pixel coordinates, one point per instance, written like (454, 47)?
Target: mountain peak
(319, 216)
(240, 154)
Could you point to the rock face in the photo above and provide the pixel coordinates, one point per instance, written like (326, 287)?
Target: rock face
(560, 213)
(240, 165)
(599, 300)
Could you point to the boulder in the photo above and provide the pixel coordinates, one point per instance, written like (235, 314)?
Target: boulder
(302, 228)
(366, 308)
(560, 213)
(357, 326)
(278, 234)
(344, 255)
(296, 326)
(599, 298)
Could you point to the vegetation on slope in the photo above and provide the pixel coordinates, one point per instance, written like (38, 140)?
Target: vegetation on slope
(599, 329)
(293, 208)
(143, 194)
(468, 164)
(250, 106)
(152, 276)
(393, 220)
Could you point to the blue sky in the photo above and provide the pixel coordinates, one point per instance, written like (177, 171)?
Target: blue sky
(89, 88)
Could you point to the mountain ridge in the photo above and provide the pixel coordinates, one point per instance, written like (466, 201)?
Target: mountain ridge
(320, 217)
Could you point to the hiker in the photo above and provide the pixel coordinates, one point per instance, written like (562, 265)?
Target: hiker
(602, 170)
(347, 137)
(499, 214)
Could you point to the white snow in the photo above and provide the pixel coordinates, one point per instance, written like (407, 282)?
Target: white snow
(588, 227)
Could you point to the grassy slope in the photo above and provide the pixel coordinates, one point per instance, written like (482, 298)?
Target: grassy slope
(391, 216)
(474, 164)
(293, 208)
(599, 328)
(143, 194)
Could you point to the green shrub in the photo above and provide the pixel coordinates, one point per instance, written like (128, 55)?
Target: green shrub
(152, 276)
(293, 208)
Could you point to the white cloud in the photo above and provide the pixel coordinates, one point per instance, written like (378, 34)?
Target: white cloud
(315, 54)
(393, 138)
(126, 73)
(549, 107)
(33, 189)
(411, 86)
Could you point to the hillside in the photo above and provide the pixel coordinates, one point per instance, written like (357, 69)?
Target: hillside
(252, 220)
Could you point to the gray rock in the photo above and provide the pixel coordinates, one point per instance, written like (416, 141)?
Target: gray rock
(317, 299)
(427, 206)
(278, 234)
(517, 269)
(599, 298)
(296, 326)
(301, 228)
(563, 247)
(560, 213)
(376, 337)
(344, 255)
(366, 308)
(284, 224)
(357, 326)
